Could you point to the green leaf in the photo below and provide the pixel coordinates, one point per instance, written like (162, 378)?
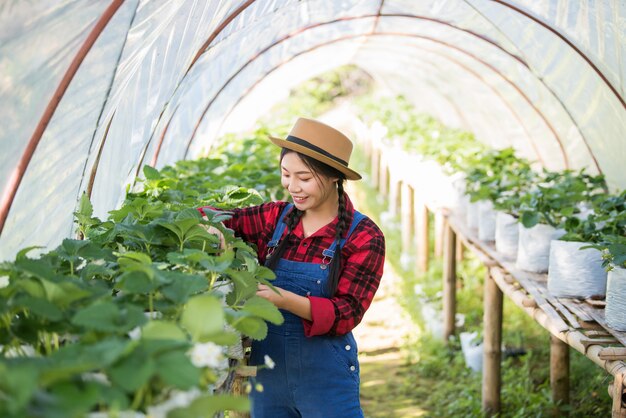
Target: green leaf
(133, 371)
(176, 369)
(263, 308)
(39, 307)
(530, 219)
(162, 330)
(255, 328)
(182, 286)
(136, 282)
(151, 173)
(108, 317)
(203, 316)
(85, 207)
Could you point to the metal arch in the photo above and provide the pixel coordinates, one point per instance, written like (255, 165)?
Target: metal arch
(571, 44)
(217, 31)
(496, 92)
(19, 171)
(410, 36)
(392, 15)
(303, 29)
(199, 53)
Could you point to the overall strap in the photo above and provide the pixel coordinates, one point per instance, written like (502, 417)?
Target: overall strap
(330, 252)
(280, 227)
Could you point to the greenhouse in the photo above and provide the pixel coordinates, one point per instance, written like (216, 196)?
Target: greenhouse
(489, 136)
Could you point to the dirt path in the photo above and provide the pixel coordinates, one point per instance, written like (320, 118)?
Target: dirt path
(387, 391)
(382, 335)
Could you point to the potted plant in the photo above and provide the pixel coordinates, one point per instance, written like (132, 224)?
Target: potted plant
(544, 209)
(495, 174)
(611, 215)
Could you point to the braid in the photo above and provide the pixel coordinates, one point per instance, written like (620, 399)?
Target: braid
(335, 264)
(291, 220)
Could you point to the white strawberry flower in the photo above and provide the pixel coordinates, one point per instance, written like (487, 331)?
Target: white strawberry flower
(269, 362)
(207, 355)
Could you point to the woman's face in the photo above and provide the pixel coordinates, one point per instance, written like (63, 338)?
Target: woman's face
(309, 191)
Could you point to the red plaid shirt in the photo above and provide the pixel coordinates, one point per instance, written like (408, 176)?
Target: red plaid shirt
(363, 256)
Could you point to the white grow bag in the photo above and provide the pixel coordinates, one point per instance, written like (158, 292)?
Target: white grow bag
(486, 221)
(533, 252)
(472, 215)
(615, 311)
(507, 235)
(574, 272)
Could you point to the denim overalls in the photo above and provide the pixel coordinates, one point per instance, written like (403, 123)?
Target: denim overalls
(313, 376)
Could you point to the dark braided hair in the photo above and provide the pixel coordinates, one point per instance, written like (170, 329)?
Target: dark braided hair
(293, 217)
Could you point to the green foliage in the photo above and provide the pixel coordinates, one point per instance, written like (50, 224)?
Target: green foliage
(499, 176)
(130, 301)
(419, 133)
(555, 199)
(435, 374)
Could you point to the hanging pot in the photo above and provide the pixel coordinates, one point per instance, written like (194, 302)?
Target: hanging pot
(507, 235)
(575, 273)
(486, 221)
(615, 311)
(533, 252)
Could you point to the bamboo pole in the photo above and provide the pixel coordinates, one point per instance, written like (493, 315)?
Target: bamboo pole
(407, 216)
(439, 232)
(449, 282)
(559, 374)
(459, 250)
(383, 172)
(395, 192)
(375, 165)
(618, 393)
(492, 340)
(421, 232)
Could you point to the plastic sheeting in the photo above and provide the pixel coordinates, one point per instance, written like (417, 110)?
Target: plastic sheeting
(547, 77)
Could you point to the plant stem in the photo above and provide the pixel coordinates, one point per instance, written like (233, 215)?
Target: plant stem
(138, 397)
(55, 338)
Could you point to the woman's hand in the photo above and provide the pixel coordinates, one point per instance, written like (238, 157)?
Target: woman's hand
(284, 299)
(266, 292)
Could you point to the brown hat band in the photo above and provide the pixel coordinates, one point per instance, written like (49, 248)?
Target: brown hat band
(315, 148)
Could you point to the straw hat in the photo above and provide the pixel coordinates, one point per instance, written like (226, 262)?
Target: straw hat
(321, 142)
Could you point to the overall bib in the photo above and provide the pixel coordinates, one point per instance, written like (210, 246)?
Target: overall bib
(313, 376)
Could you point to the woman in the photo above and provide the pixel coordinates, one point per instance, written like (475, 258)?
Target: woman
(328, 259)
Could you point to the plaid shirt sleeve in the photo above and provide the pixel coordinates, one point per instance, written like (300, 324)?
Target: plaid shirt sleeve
(364, 257)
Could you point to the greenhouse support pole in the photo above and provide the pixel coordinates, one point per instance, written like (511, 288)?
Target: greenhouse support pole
(375, 166)
(395, 190)
(449, 282)
(559, 373)
(439, 233)
(492, 339)
(383, 172)
(407, 217)
(421, 232)
(459, 250)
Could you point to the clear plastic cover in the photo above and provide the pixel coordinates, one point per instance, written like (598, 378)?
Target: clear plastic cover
(547, 77)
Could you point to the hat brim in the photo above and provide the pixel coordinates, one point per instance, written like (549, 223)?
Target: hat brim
(349, 173)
